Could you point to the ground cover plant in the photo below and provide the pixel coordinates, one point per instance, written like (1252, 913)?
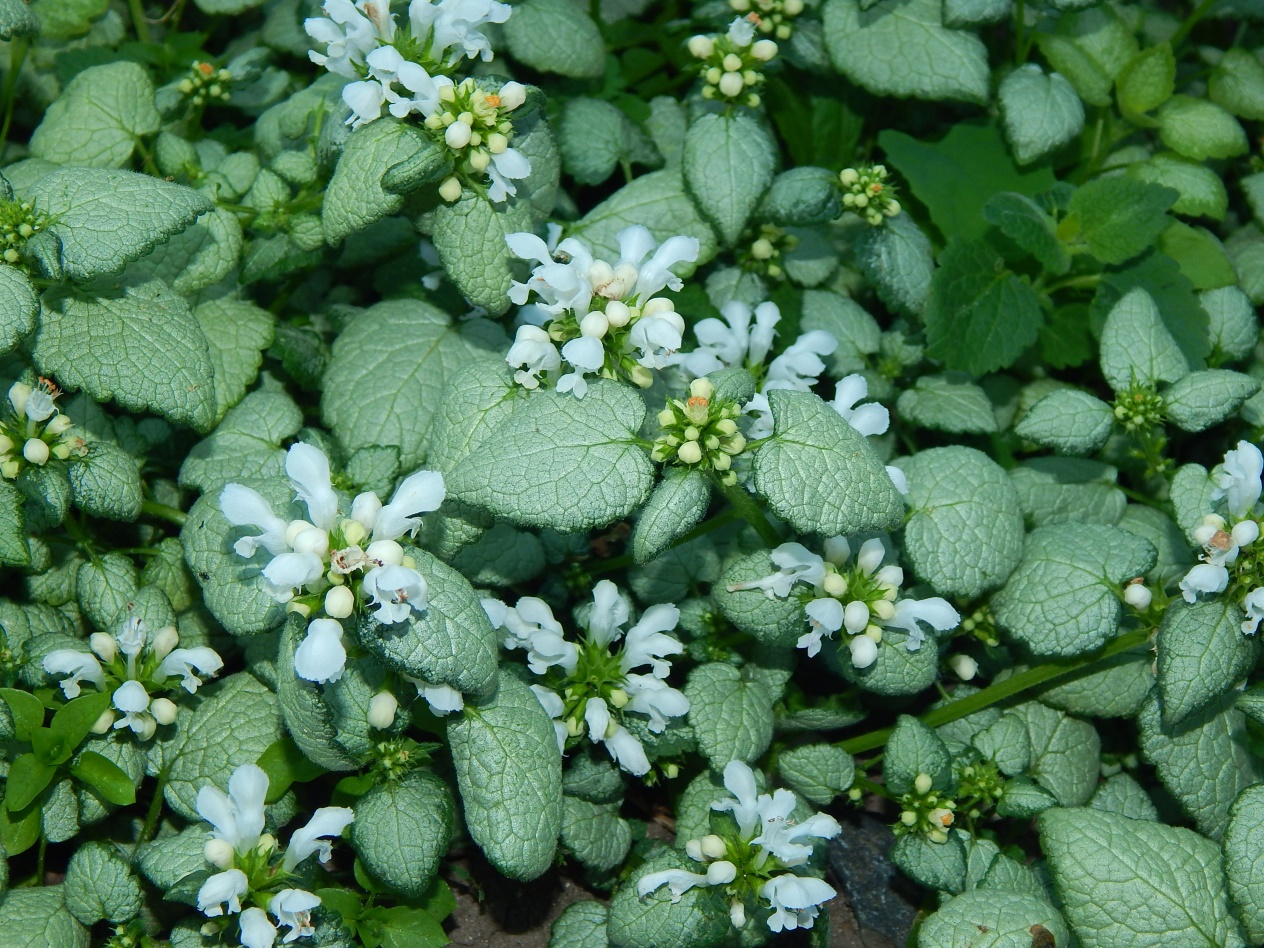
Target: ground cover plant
(460, 426)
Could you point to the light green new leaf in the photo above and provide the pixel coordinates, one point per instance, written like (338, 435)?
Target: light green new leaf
(913, 749)
(96, 121)
(1069, 421)
(902, 48)
(1027, 224)
(1237, 84)
(1041, 112)
(656, 200)
(679, 501)
(355, 197)
(819, 474)
(1063, 599)
(1065, 752)
(104, 218)
(388, 370)
(948, 402)
(728, 164)
(402, 829)
(237, 332)
(556, 36)
(245, 446)
(1136, 345)
(1206, 398)
(1202, 192)
(1199, 129)
(1123, 795)
(562, 462)
(106, 482)
(509, 772)
(140, 346)
(993, 918)
(1137, 883)
(1117, 218)
(470, 238)
(730, 713)
(1202, 654)
(697, 919)
(1148, 80)
(595, 833)
(964, 532)
(236, 722)
(37, 917)
(817, 772)
(19, 309)
(1244, 863)
(451, 642)
(100, 885)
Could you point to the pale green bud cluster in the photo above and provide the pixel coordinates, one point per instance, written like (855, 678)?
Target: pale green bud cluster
(1139, 408)
(766, 252)
(700, 432)
(979, 624)
(206, 84)
(774, 15)
(732, 72)
(19, 222)
(27, 442)
(867, 193)
(979, 787)
(474, 125)
(925, 811)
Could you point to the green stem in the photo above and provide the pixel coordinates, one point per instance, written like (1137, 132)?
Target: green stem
(1022, 42)
(1086, 282)
(17, 56)
(1002, 690)
(139, 22)
(744, 504)
(39, 864)
(83, 539)
(155, 811)
(164, 512)
(1191, 21)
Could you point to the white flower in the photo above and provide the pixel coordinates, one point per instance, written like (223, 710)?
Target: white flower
(647, 641)
(656, 699)
(506, 167)
(420, 492)
(870, 419)
(183, 661)
(396, 591)
(291, 571)
(39, 405)
(256, 930)
(781, 835)
(610, 609)
(348, 34)
(532, 626)
(321, 657)
(796, 564)
(739, 780)
(560, 286)
(825, 617)
(680, 881)
(534, 351)
(131, 638)
(236, 817)
(657, 335)
(936, 613)
(327, 822)
(225, 887)
(1253, 606)
(795, 900)
(621, 743)
(759, 417)
(243, 507)
(800, 365)
(308, 470)
(587, 355)
(452, 25)
(636, 242)
(365, 100)
(443, 699)
(553, 706)
(741, 31)
(733, 341)
(425, 89)
(293, 909)
(1239, 479)
(133, 700)
(78, 666)
(1204, 578)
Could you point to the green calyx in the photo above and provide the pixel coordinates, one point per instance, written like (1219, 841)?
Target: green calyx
(700, 432)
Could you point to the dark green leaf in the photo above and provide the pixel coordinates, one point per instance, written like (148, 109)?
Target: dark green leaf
(28, 776)
(105, 777)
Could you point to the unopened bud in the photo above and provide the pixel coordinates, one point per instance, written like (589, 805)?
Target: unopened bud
(963, 666)
(713, 847)
(701, 47)
(450, 190)
(104, 723)
(219, 853)
(339, 602)
(1138, 596)
(594, 325)
(35, 451)
(354, 532)
(730, 84)
(457, 136)
(834, 584)
(1245, 533)
(690, 452)
(104, 645)
(764, 49)
(164, 640)
(58, 425)
(386, 552)
(479, 160)
(721, 873)
(382, 708)
(922, 784)
(618, 314)
(164, 710)
(619, 698)
(864, 651)
(641, 376)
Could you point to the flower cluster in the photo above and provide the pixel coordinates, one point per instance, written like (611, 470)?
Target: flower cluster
(774, 15)
(476, 128)
(205, 84)
(925, 811)
(752, 861)
(19, 222)
(591, 683)
(860, 598)
(606, 316)
(252, 867)
(732, 62)
(131, 666)
(1138, 408)
(1231, 558)
(37, 431)
(700, 432)
(867, 193)
(319, 566)
(765, 254)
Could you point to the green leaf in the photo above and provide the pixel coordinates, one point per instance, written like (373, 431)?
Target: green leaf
(98, 118)
(656, 200)
(1116, 688)
(509, 772)
(914, 749)
(595, 833)
(1243, 842)
(452, 642)
(474, 400)
(140, 346)
(902, 48)
(402, 830)
(1116, 218)
(105, 777)
(698, 919)
(1199, 129)
(1132, 883)
(100, 885)
(17, 19)
(283, 761)
(309, 716)
(555, 36)
(858, 334)
(235, 723)
(1202, 399)
(1233, 326)
(896, 258)
(388, 372)
(1005, 742)
(502, 556)
(196, 258)
(470, 238)
(1026, 223)
(896, 671)
(730, 713)
(1006, 919)
(728, 164)
(964, 531)
(1200, 255)
(1246, 250)
(36, 917)
(27, 710)
(935, 865)
(562, 462)
(104, 218)
(948, 402)
(1202, 192)
(1237, 84)
(1148, 80)
(801, 197)
(106, 482)
(1063, 599)
(1123, 795)
(1137, 346)
(355, 197)
(1041, 112)
(1161, 277)
(19, 308)
(594, 136)
(979, 316)
(73, 722)
(1204, 761)
(236, 333)
(817, 772)
(1065, 753)
(819, 474)
(769, 620)
(28, 778)
(581, 924)
(105, 587)
(678, 503)
(14, 550)
(1069, 421)
(245, 446)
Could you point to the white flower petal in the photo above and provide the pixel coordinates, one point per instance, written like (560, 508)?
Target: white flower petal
(328, 821)
(321, 656)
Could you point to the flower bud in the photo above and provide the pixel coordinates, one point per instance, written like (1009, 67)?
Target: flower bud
(512, 95)
(35, 451)
(908, 817)
(163, 641)
(701, 47)
(722, 462)
(497, 143)
(666, 417)
(594, 325)
(59, 425)
(1245, 533)
(713, 847)
(834, 584)
(339, 602)
(450, 190)
(479, 160)
(574, 726)
(883, 610)
(732, 63)
(641, 376)
(313, 540)
(942, 817)
(104, 722)
(6, 444)
(267, 844)
(618, 314)
(849, 177)
(105, 646)
(864, 651)
(730, 84)
(619, 698)
(922, 784)
(855, 616)
(737, 913)
(382, 708)
(792, 7)
(764, 50)
(721, 873)
(353, 531)
(386, 552)
(693, 849)
(457, 136)
(762, 249)
(963, 666)
(164, 710)
(1138, 596)
(690, 452)
(656, 305)
(298, 608)
(219, 853)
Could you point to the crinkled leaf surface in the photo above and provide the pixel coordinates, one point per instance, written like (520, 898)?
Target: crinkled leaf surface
(730, 712)
(1069, 421)
(98, 118)
(402, 830)
(1202, 654)
(728, 164)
